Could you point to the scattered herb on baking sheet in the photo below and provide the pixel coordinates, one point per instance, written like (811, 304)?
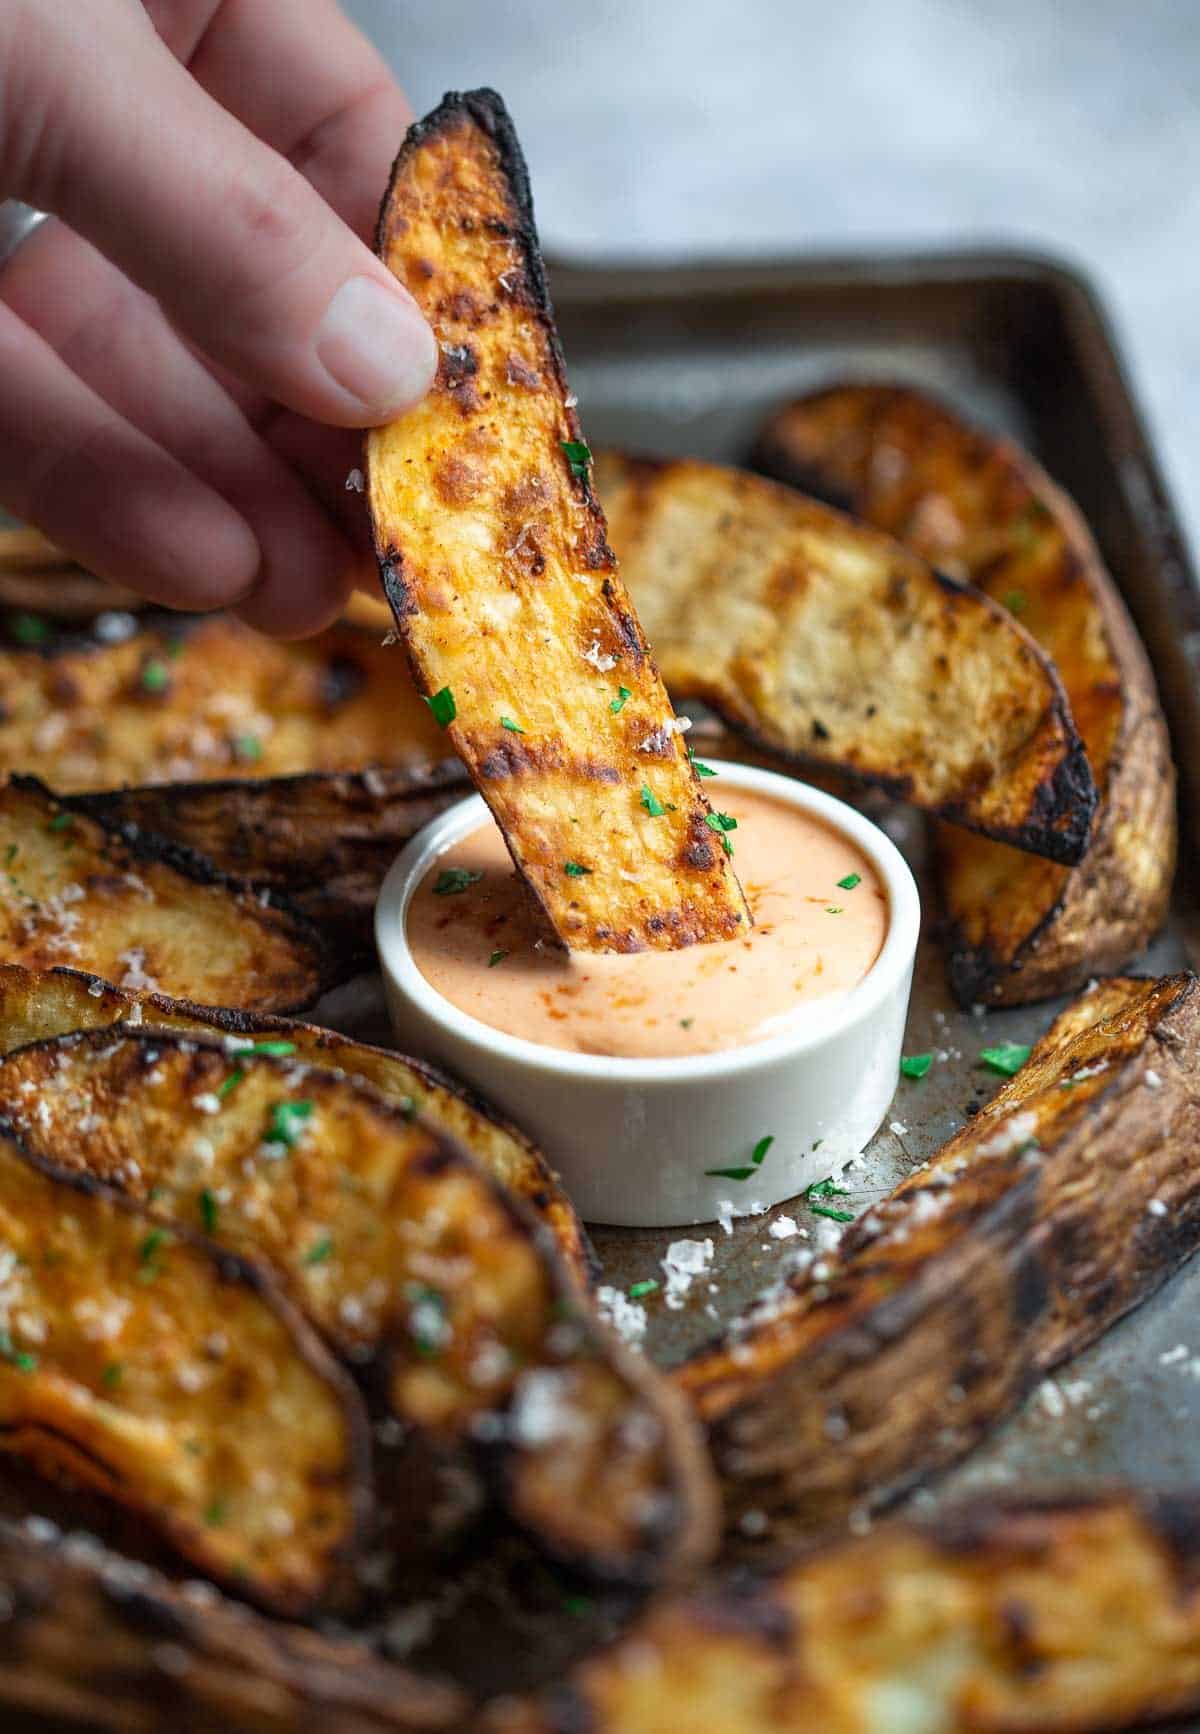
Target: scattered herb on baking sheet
(647, 1286)
(701, 770)
(495, 958)
(506, 722)
(320, 1250)
(286, 1123)
(1016, 602)
(1007, 1058)
(747, 1172)
(578, 457)
(248, 748)
(443, 707)
(915, 1065)
(834, 909)
(155, 677)
(849, 882)
(29, 629)
(451, 880)
(209, 1210)
(112, 1375)
(21, 1359)
(575, 869)
(61, 822)
(822, 1189)
(427, 1322)
(651, 802)
(214, 1513)
(618, 704)
(722, 823)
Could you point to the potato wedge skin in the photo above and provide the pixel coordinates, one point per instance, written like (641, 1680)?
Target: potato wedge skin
(98, 1645)
(37, 1004)
(981, 508)
(1060, 1616)
(406, 1258)
(142, 913)
(182, 699)
(1018, 1244)
(173, 1378)
(505, 592)
(831, 645)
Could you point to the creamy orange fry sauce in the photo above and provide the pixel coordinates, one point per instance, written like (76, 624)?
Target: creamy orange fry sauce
(820, 916)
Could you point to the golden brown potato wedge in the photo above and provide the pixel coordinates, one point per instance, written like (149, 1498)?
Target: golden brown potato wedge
(95, 1644)
(176, 699)
(169, 1375)
(1066, 1616)
(407, 1257)
(36, 1004)
(981, 508)
(324, 841)
(1016, 1245)
(142, 913)
(830, 644)
(506, 595)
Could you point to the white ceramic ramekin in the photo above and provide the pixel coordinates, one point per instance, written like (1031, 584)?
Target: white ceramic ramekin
(632, 1138)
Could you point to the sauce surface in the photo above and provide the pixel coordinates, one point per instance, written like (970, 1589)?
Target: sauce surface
(820, 914)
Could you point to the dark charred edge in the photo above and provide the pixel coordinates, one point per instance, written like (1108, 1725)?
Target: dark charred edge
(148, 846)
(235, 1269)
(351, 786)
(976, 971)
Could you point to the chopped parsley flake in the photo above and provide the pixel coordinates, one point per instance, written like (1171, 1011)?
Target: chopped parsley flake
(575, 870)
(154, 677)
(320, 1250)
(495, 958)
(149, 1250)
(10, 854)
(112, 1375)
(834, 909)
(21, 1359)
(29, 629)
(831, 1213)
(248, 748)
(231, 1083)
(287, 1122)
(748, 1172)
(647, 1286)
(1007, 1058)
(722, 823)
(618, 704)
(651, 802)
(214, 1514)
(821, 1189)
(1016, 602)
(451, 880)
(60, 822)
(849, 882)
(443, 707)
(506, 722)
(686, 1023)
(209, 1210)
(701, 770)
(277, 1049)
(578, 457)
(915, 1065)
(578, 1605)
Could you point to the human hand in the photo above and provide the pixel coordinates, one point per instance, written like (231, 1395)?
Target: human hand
(183, 348)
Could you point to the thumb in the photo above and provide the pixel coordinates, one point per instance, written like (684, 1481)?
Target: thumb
(244, 256)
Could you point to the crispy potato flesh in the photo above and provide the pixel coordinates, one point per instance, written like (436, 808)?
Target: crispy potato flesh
(994, 1618)
(36, 1004)
(980, 508)
(154, 1369)
(179, 700)
(75, 892)
(403, 1254)
(494, 559)
(831, 644)
(1014, 1247)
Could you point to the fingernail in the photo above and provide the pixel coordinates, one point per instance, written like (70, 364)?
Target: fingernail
(376, 346)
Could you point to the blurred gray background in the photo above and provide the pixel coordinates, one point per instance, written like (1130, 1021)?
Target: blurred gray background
(756, 127)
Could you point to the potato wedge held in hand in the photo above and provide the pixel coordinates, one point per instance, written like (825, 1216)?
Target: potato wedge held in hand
(830, 644)
(405, 1256)
(1075, 1615)
(494, 559)
(169, 1375)
(141, 913)
(1019, 1243)
(36, 1004)
(981, 508)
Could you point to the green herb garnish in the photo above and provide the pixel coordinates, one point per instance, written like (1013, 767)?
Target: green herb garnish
(112, 1375)
(746, 1173)
(427, 1322)
(209, 1211)
(21, 1359)
(849, 882)
(575, 869)
(827, 1188)
(286, 1123)
(648, 1285)
(618, 704)
(578, 457)
(651, 802)
(506, 722)
(148, 1252)
(722, 823)
(578, 1605)
(833, 1215)
(686, 1023)
(60, 822)
(1016, 602)
(701, 770)
(495, 958)
(214, 1513)
(320, 1250)
(915, 1065)
(10, 854)
(279, 1050)
(834, 909)
(1007, 1059)
(231, 1083)
(248, 748)
(451, 880)
(29, 629)
(154, 677)
(443, 707)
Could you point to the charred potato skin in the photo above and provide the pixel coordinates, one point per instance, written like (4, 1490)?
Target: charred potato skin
(999, 1617)
(1020, 1242)
(1017, 931)
(799, 666)
(482, 461)
(36, 1005)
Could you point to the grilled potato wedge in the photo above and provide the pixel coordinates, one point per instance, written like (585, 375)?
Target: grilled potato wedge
(995, 1617)
(409, 1260)
(98, 1645)
(176, 699)
(1015, 1246)
(829, 644)
(324, 841)
(37, 1004)
(494, 560)
(141, 913)
(170, 1376)
(981, 508)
